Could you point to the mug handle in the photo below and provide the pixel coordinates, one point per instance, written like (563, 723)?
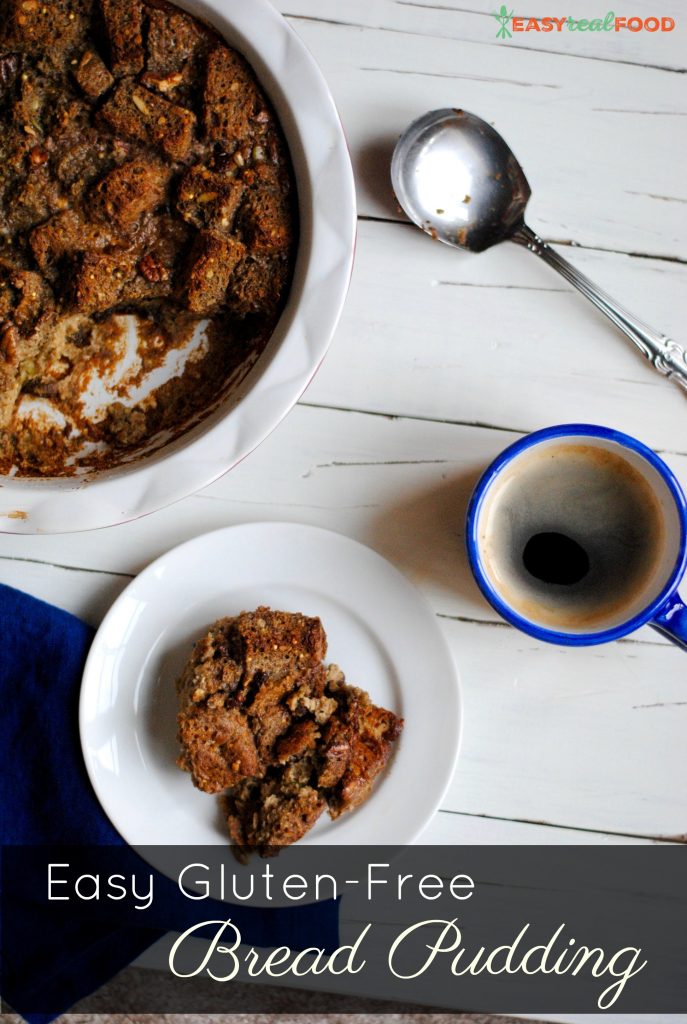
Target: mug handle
(671, 621)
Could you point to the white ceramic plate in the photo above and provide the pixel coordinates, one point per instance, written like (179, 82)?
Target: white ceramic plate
(380, 631)
(327, 207)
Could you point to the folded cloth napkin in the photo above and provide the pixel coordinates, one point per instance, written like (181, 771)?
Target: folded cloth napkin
(50, 962)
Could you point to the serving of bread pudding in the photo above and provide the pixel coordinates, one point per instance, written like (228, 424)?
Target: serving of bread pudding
(280, 734)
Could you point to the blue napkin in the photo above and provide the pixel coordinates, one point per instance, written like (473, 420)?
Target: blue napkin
(46, 800)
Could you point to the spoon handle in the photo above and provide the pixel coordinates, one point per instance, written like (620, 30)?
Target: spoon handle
(667, 356)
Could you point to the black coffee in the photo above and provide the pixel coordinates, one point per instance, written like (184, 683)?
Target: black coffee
(572, 536)
(555, 558)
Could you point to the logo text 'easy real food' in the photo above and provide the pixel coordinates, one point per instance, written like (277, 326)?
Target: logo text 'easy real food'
(510, 23)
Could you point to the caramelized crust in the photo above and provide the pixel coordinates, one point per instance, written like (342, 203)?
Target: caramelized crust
(219, 749)
(142, 116)
(281, 641)
(265, 816)
(212, 262)
(93, 76)
(209, 199)
(128, 192)
(124, 25)
(54, 28)
(231, 99)
(176, 43)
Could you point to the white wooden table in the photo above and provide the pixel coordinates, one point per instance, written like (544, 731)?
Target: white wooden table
(442, 359)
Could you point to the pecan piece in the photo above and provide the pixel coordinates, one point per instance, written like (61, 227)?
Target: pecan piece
(152, 270)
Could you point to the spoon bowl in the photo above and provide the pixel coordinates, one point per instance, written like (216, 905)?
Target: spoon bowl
(457, 179)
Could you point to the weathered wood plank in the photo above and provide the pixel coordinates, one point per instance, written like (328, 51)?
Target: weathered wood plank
(399, 485)
(500, 339)
(574, 124)
(455, 20)
(590, 737)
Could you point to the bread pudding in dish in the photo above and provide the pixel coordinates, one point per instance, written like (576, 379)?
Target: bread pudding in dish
(148, 228)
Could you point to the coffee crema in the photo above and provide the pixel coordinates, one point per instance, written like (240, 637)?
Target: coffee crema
(572, 536)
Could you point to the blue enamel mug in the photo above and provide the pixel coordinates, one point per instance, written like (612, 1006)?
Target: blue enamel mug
(576, 534)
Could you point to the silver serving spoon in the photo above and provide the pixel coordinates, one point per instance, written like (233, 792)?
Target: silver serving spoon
(457, 179)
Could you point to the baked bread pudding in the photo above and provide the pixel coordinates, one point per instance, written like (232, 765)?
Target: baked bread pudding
(263, 721)
(146, 193)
